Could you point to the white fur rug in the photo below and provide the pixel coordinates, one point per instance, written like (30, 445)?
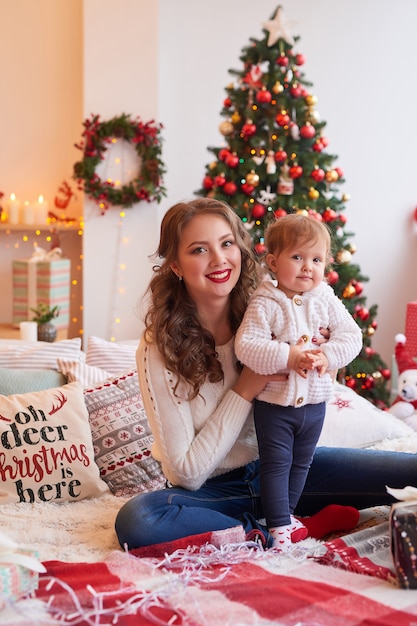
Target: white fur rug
(84, 531)
(73, 531)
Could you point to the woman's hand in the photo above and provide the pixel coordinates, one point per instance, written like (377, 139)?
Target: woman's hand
(250, 384)
(323, 337)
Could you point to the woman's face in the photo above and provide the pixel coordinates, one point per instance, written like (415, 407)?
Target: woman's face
(209, 259)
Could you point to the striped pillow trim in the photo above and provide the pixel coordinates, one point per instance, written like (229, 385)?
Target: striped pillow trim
(15, 353)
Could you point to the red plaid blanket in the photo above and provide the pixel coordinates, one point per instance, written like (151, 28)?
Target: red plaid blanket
(202, 581)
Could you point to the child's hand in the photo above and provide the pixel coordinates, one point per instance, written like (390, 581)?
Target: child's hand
(317, 360)
(299, 360)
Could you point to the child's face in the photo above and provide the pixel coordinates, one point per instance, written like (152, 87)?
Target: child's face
(299, 269)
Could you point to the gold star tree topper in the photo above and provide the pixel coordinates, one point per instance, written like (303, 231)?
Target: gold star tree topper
(277, 29)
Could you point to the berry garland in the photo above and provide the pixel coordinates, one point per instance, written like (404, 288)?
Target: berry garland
(145, 137)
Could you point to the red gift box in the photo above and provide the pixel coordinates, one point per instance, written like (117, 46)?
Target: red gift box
(411, 328)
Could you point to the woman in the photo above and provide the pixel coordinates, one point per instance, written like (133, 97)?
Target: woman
(199, 401)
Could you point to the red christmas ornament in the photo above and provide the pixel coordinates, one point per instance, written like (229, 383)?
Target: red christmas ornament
(317, 216)
(362, 313)
(232, 160)
(386, 373)
(358, 287)
(260, 248)
(332, 277)
(282, 60)
(280, 213)
(339, 172)
(230, 188)
(223, 154)
(280, 156)
(351, 382)
(248, 129)
(219, 180)
(227, 103)
(300, 59)
(263, 96)
(369, 383)
(208, 182)
(307, 131)
(329, 216)
(295, 171)
(248, 189)
(296, 91)
(318, 146)
(282, 119)
(318, 174)
(258, 211)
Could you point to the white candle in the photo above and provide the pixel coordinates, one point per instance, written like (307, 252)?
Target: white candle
(29, 331)
(41, 211)
(14, 209)
(28, 213)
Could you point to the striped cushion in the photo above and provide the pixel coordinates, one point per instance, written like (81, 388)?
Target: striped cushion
(17, 354)
(87, 375)
(116, 358)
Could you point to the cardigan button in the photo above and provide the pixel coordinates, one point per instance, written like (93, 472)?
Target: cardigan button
(305, 338)
(300, 400)
(298, 301)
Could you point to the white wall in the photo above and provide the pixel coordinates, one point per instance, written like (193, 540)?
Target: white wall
(169, 60)
(361, 59)
(120, 76)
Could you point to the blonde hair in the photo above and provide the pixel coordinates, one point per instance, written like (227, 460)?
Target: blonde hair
(171, 321)
(293, 229)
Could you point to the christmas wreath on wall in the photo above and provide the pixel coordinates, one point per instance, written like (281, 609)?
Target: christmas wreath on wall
(146, 139)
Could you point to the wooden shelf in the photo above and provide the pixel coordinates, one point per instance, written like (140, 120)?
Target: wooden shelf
(8, 331)
(60, 226)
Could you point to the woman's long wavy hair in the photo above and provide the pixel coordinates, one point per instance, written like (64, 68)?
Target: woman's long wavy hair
(171, 321)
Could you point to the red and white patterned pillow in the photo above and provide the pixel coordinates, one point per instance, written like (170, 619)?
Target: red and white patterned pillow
(122, 437)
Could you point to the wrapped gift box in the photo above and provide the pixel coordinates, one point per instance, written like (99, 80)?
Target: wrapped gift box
(411, 328)
(403, 540)
(41, 281)
(17, 581)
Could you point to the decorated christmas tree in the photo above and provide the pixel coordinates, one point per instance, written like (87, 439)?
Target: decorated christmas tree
(274, 161)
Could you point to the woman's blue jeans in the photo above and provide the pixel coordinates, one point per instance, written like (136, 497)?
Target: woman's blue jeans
(346, 476)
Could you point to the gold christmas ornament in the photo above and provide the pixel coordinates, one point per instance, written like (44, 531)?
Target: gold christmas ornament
(226, 128)
(212, 165)
(313, 194)
(278, 88)
(370, 330)
(349, 291)
(236, 117)
(343, 257)
(346, 197)
(352, 248)
(311, 100)
(252, 178)
(302, 212)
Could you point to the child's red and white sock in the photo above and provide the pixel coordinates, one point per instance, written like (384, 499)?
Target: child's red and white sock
(285, 536)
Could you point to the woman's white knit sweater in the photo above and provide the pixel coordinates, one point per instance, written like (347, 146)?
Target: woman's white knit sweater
(273, 322)
(200, 438)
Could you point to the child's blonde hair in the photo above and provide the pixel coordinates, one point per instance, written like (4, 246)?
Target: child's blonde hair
(293, 229)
